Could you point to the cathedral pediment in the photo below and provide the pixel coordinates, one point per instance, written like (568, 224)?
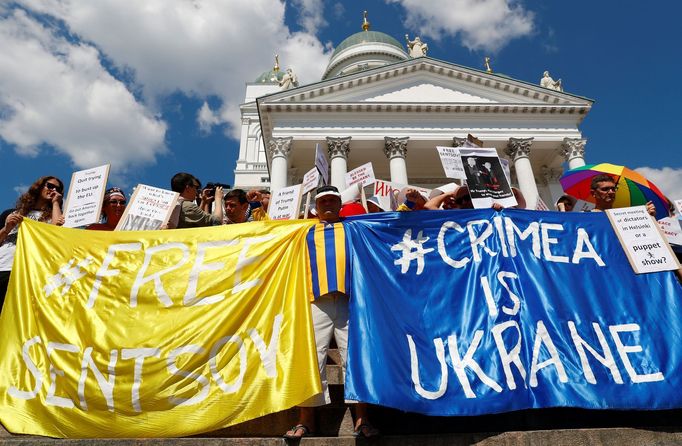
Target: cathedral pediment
(425, 81)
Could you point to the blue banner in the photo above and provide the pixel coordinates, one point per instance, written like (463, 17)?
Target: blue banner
(476, 312)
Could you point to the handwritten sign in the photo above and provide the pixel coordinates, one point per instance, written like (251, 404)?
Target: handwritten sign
(451, 160)
(285, 203)
(149, 209)
(671, 228)
(322, 163)
(363, 175)
(86, 192)
(311, 180)
(643, 243)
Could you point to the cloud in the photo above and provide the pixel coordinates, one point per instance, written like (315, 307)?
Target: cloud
(310, 14)
(207, 118)
(668, 179)
(481, 24)
(202, 48)
(55, 91)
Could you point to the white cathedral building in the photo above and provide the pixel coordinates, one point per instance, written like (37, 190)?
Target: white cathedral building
(377, 103)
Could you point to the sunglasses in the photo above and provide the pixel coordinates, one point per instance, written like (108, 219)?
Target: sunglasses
(464, 199)
(117, 202)
(51, 186)
(608, 189)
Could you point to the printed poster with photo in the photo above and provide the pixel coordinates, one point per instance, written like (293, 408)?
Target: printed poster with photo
(149, 209)
(486, 178)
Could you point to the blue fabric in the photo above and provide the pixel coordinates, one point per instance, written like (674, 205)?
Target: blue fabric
(446, 307)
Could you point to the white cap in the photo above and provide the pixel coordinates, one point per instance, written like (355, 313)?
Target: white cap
(375, 200)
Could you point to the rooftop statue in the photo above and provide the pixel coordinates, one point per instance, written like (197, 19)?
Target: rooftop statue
(550, 83)
(416, 47)
(289, 80)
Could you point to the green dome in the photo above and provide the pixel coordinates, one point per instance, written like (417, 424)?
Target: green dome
(268, 76)
(367, 37)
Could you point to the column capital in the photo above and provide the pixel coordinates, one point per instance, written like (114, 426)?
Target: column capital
(573, 148)
(518, 148)
(395, 147)
(550, 175)
(279, 147)
(338, 147)
(458, 142)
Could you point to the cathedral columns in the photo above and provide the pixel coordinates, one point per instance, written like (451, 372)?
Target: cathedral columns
(278, 150)
(573, 151)
(519, 150)
(395, 150)
(338, 149)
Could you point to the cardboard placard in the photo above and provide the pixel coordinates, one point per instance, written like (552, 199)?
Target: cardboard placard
(149, 209)
(83, 204)
(451, 160)
(322, 163)
(311, 180)
(671, 228)
(363, 175)
(583, 206)
(387, 193)
(643, 243)
(486, 179)
(285, 203)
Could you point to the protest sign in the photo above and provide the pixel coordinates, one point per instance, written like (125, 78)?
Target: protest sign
(311, 180)
(506, 169)
(583, 206)
(149, 209)
(285, 203)
(486, 179)
(363, 175)
(451, 160)
(508, 310)
(155, 334)
(541, 205)
(322, 163)
(83, 205)
(387, 192)
(671, 229)
(642, 241)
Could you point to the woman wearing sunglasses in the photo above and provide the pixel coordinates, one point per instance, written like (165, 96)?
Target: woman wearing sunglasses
(42, 202)
(112, 210)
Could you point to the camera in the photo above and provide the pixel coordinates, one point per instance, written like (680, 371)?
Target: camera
(211, 187)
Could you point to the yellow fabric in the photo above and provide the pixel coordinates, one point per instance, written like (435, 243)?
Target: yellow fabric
(253, 276)
(402, 207)
(259, 214)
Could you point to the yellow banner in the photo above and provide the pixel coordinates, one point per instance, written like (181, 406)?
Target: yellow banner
(155, 333)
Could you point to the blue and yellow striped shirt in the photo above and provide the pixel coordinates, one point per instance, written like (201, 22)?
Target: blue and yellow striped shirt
(328, 260)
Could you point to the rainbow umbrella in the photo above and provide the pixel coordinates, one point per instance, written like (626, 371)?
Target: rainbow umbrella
(633, 188)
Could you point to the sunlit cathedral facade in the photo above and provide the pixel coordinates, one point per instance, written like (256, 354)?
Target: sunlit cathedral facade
(389, 103)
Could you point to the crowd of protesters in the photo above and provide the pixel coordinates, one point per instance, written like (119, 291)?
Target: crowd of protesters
(212, 206)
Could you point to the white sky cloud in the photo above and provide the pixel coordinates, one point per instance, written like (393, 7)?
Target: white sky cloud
(480, 24)
(668, 179)
(201, 48)
(311, 16)
(57, 92)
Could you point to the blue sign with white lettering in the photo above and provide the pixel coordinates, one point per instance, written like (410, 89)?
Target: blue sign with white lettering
(476, 312)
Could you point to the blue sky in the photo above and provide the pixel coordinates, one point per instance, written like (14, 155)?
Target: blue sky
(153, 87)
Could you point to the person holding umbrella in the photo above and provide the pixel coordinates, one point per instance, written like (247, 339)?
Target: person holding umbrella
(603, 188)
(611, 186)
